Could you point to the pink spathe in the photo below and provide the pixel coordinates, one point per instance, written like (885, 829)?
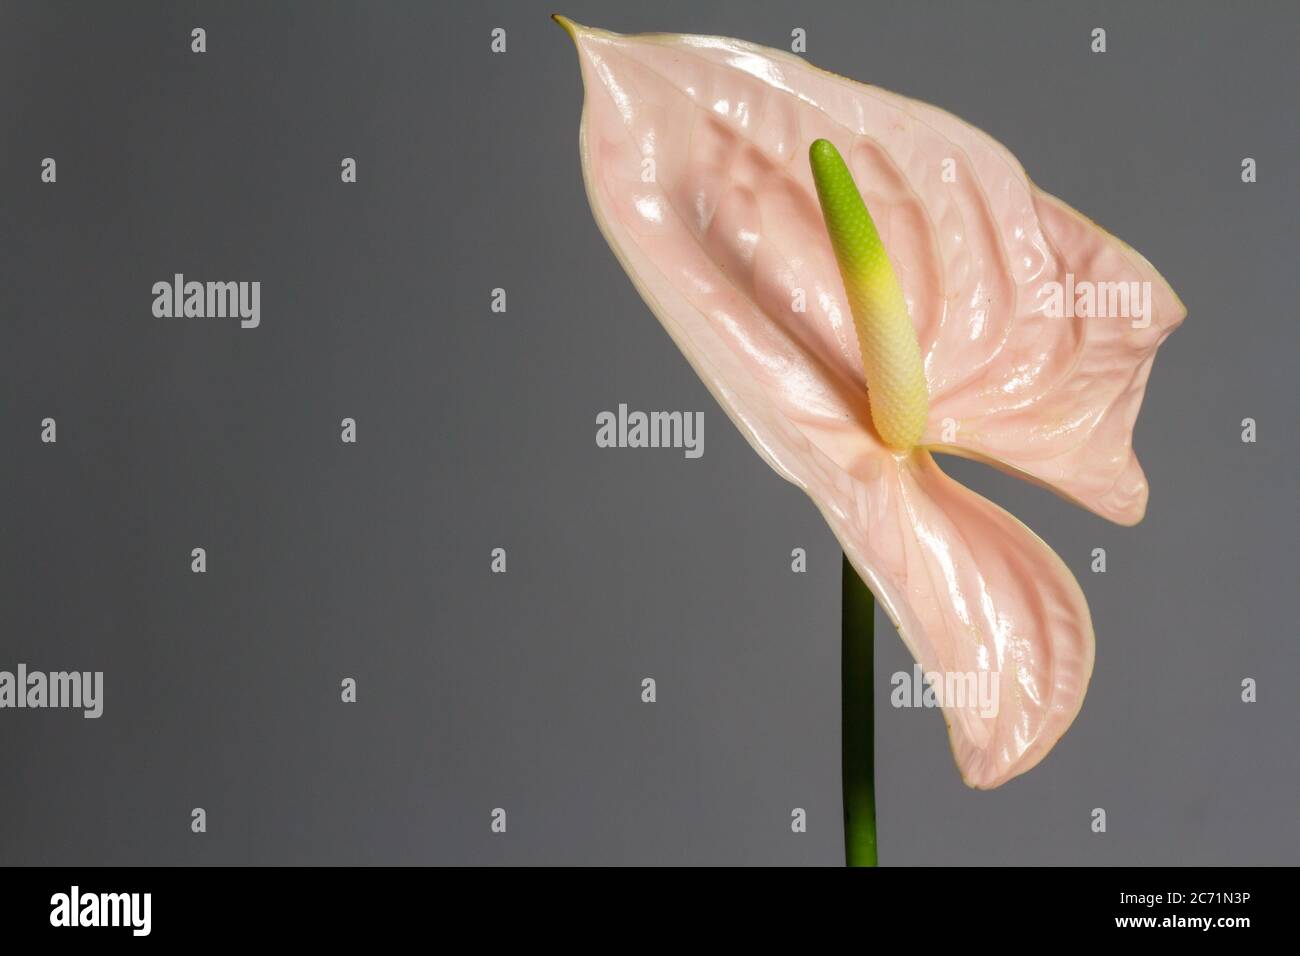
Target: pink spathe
(694, 151)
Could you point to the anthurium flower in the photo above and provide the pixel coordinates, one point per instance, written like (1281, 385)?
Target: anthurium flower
(1032, 335)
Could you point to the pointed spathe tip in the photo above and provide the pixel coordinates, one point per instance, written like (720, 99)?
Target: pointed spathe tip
(570, 27)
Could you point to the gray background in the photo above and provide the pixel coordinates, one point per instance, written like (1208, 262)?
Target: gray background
(476, 430)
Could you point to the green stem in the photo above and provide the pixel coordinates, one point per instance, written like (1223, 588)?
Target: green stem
(857, 755)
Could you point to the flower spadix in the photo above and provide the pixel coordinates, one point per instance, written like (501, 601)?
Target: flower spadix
(891, 357)
(775, 283)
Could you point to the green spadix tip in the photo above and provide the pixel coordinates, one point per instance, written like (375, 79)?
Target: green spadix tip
(853, 233)
(822, 152)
